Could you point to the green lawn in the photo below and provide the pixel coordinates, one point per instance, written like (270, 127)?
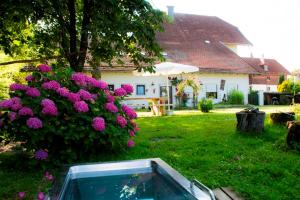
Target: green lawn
(202, 146)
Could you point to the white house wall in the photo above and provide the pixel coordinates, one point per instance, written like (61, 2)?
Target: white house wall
(210, 83)
(263, 87)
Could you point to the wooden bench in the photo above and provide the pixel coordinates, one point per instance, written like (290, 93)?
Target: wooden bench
(226, 193)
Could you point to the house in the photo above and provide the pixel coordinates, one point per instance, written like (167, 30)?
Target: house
(206, 42)
(270, 70)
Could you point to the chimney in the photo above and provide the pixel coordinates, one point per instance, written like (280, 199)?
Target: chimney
(171, 12)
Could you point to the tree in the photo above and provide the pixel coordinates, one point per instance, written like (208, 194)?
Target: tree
(82, 31)
(281, 79)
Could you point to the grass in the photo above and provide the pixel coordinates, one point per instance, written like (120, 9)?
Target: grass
(201, 146)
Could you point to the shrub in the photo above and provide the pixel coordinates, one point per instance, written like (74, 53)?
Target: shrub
(235, 97)
(205, 105)
(67, 116)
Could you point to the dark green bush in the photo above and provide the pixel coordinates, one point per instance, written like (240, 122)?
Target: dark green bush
(205, 105)
(235, 97)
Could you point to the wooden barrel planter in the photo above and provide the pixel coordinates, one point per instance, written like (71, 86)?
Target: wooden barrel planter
(293, 136)
(282, 117)
(248, 121)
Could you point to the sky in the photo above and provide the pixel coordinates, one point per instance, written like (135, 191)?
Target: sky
(272, 26)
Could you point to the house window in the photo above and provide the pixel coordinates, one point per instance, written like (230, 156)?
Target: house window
(140, 90)
(211, 95)
(111, 87)
(268, 89)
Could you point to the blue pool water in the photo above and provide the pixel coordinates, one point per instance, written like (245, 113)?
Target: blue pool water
(141, 186)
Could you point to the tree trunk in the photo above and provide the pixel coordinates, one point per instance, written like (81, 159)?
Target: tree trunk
(73, 36)
(282, 117)
(293, 136)
(250, 121)
(84, 34)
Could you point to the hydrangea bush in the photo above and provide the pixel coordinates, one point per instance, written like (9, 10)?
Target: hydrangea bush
(67, 115)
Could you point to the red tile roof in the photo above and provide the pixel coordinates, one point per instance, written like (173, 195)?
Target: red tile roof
(270, 77)
(274, 67)
(189, 28)
(198, 40)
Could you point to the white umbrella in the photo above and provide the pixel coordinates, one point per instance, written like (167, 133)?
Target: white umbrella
(169, 68)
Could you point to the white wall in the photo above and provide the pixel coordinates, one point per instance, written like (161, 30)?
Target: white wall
(211, 83)
(263, 87)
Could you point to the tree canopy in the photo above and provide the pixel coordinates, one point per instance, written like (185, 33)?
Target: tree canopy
(82, 31)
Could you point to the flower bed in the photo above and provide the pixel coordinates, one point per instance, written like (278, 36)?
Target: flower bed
(65, 116)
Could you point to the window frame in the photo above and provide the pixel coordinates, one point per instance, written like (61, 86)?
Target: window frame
(113, 87)
(137, 91)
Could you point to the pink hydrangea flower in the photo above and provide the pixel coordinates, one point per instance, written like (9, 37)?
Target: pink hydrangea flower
(79, 78)
(50, 110)
(131, 133)
(12, 116)
(33, 92)
(110, 98)
(44, 68)
(29, 78)
(128, 88)
(47, 102)
(16, 86)
(111, 107)
(21, 195)
(41, 154)
(85, 95)
(51, 85)
(49, 176)
(73, 97)
(120, 92)
(98, 124)
(25, 111)
(136, 129)
(41, 196)
(34, 123)
(5, 104)
(130, 143)
(81, 106)
(17, 103)
(121, 121)
(99, 84)
(64, 92)
(129, 112)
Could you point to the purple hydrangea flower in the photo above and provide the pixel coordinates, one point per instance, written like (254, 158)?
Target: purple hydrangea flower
(12, 116)
(81, 106)
(51, 85)
(34, 123)
(33, 92)
(64, 92)
(41, 154)
(129, 112)
(73, 97)
(25, 111)
(98, 124)
(44, 68)
(121, 121)
(16, 86)
(85, 95)
(120, 92)
(128, 88)
(29, 78)
(111, 107)
(130, 143)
